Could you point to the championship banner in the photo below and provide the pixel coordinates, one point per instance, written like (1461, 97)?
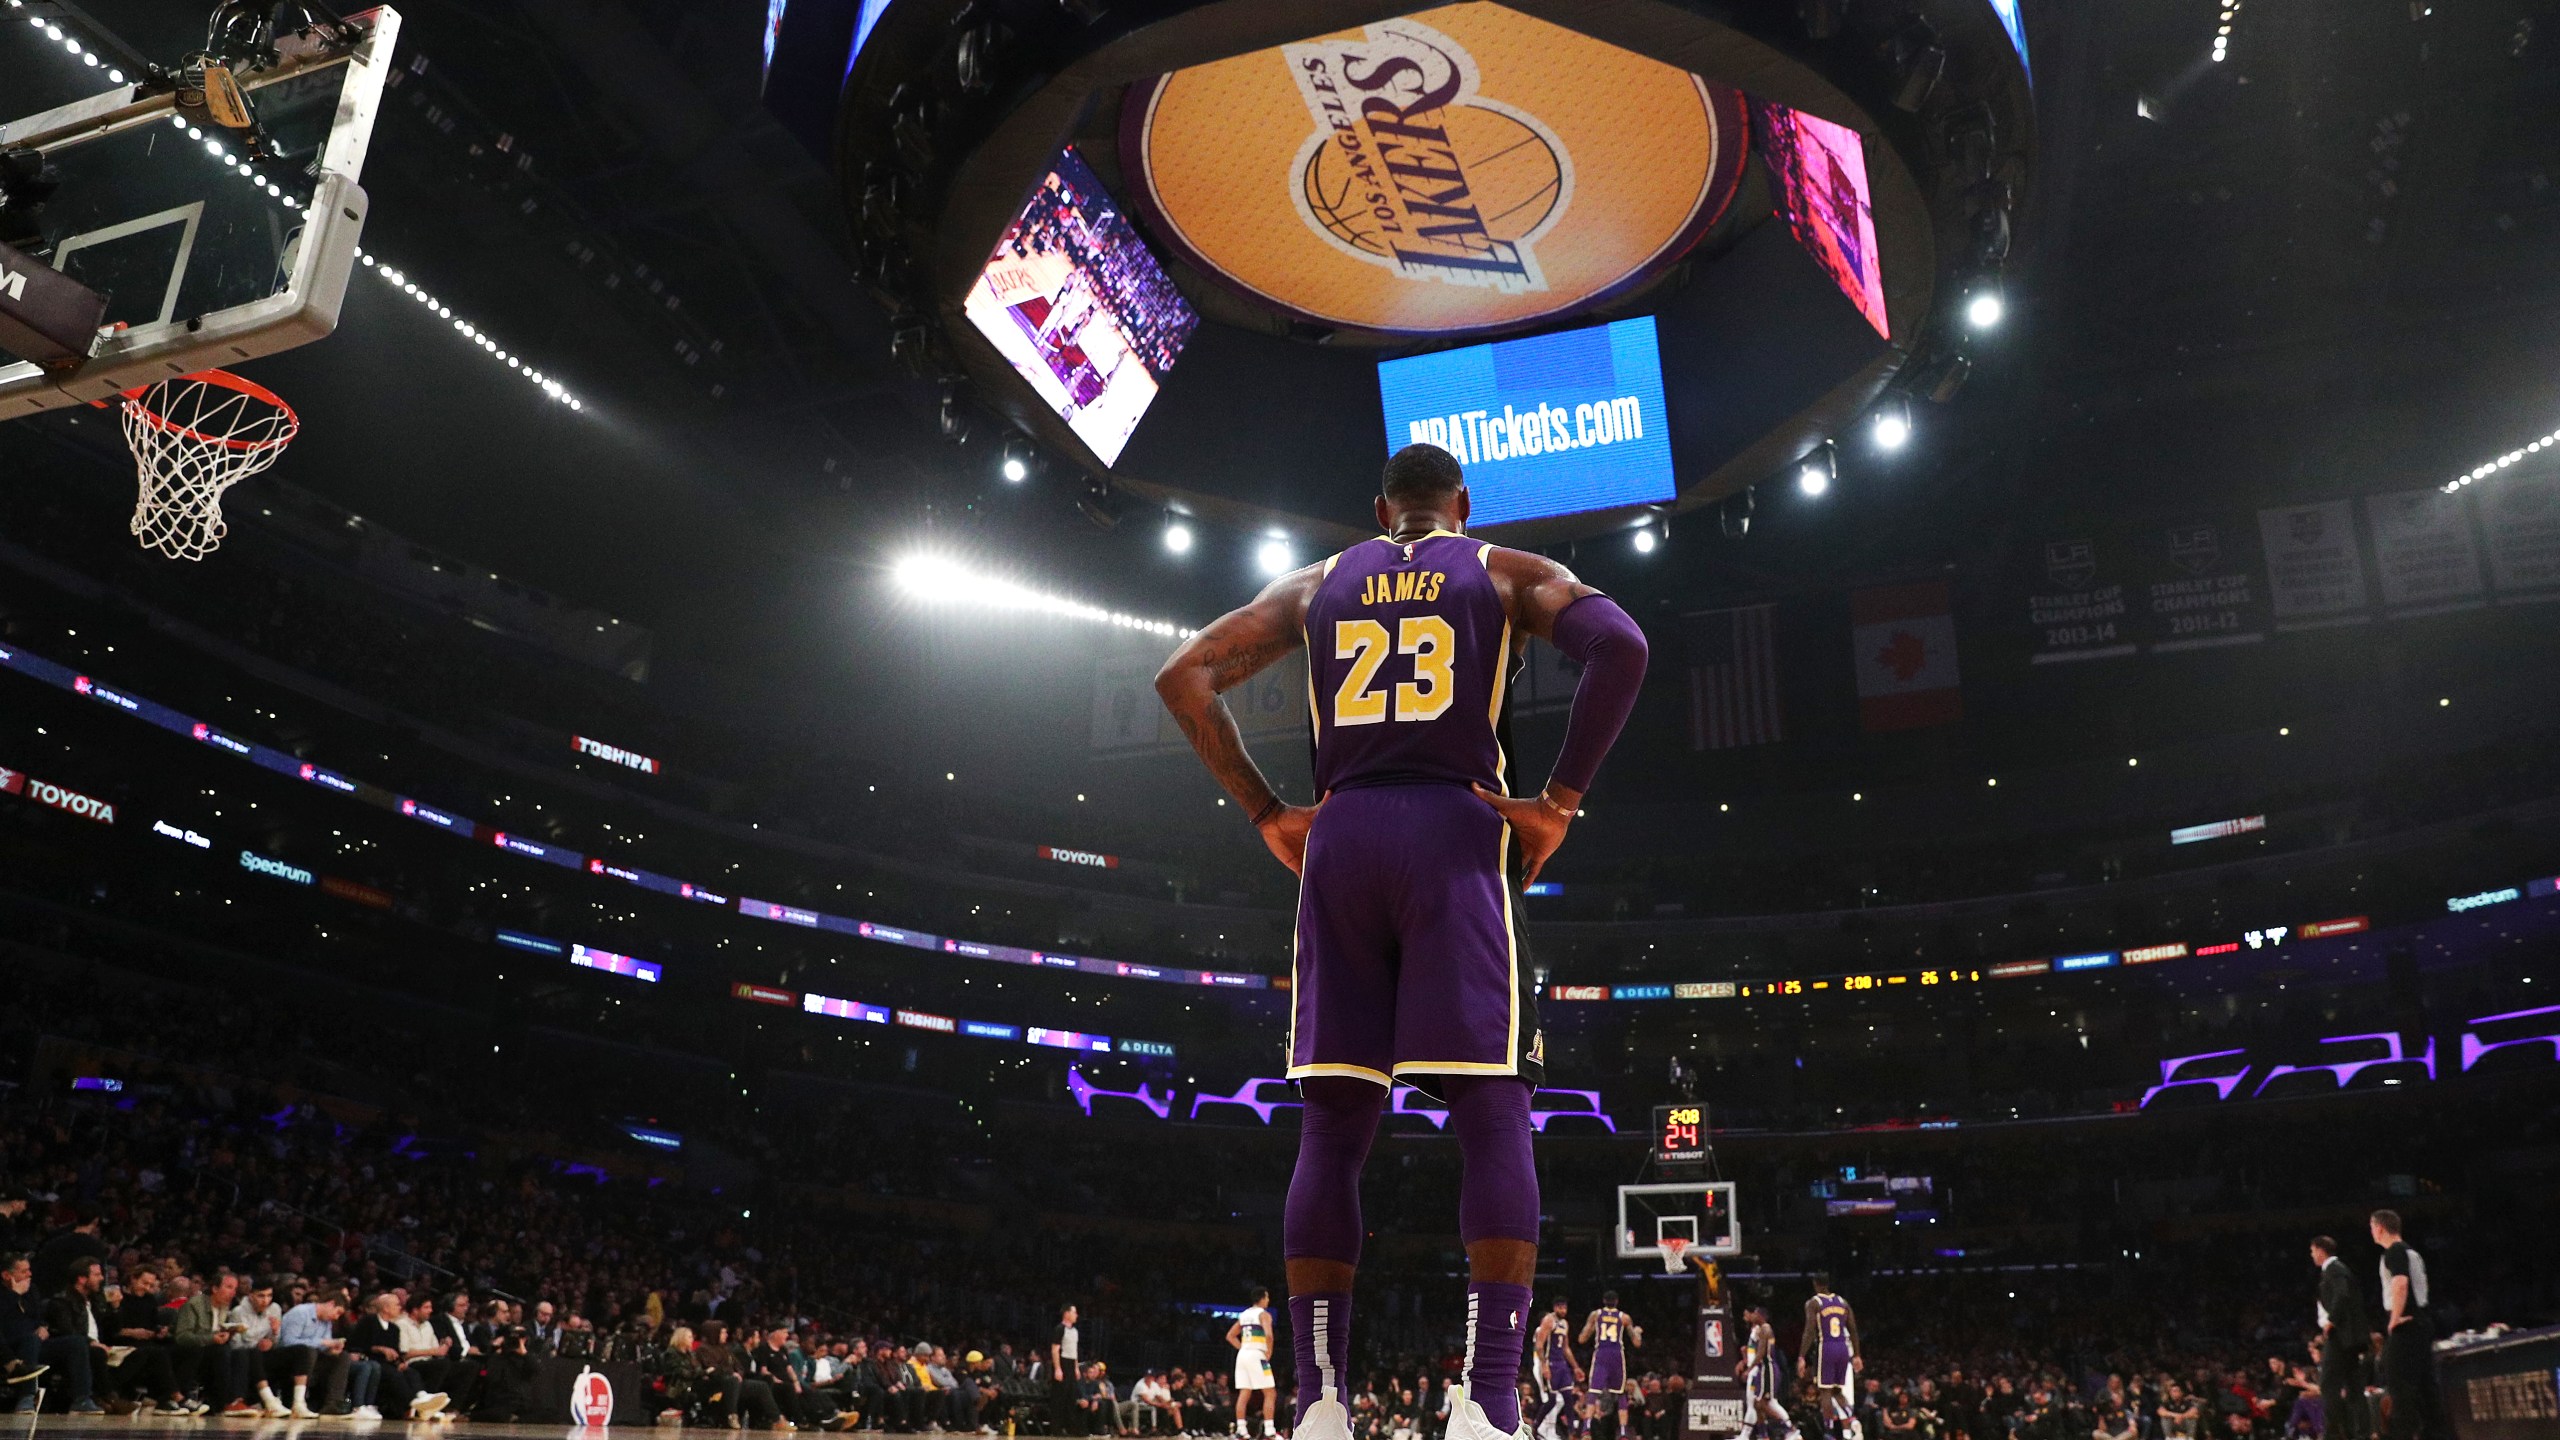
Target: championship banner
(2077, 604)
(2521, 516)
(1902, 640)
(2423, 549)
(1129, 719)
(2197, 590)
(1464, 168)
(2315, 573)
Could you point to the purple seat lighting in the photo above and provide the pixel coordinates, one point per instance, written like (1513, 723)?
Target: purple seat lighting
(2170, 1079)
(1086, 1092)
(1399, 1104)
(1590, 1110)
(1248, 1095)
(2345, 1070)
(2473, 1047)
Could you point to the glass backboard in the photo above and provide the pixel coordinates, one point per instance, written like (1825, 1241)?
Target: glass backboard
(212, 246)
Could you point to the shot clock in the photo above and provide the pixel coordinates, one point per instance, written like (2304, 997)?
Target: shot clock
(1679, 1133)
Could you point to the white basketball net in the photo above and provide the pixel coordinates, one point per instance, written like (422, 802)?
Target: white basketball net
(194, 437)
(1675, 1251)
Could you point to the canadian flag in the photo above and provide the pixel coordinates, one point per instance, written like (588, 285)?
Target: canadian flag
(1903, 641)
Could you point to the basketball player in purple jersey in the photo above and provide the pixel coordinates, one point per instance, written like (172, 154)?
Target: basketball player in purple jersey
(1609, 1332)
(1831, 1337)
(1410, 964)
(1559, 1375)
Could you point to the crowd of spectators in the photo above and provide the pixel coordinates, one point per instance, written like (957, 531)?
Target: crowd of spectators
(247, 1250)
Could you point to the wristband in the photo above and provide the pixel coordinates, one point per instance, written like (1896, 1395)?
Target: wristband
(1266, 812)
(1563, 810)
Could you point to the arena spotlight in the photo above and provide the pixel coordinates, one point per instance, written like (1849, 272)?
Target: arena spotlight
(1274, 556)
(1893, 424)
(1177, 535)
(1985, 307)
(1646, 540)
(1816, 471)
(1018, 456)
(942, 580)
(1015, 470)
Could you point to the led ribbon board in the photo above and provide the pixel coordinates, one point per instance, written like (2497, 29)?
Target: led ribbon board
(1551, 425)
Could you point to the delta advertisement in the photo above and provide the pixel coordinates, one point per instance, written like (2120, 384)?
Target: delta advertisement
(1550, 425)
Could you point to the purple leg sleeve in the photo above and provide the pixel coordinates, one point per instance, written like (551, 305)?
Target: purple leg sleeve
(1498, 1198)
(1322, 1221)
(1320, 1332)
(1497, 1322)
(1604, 640)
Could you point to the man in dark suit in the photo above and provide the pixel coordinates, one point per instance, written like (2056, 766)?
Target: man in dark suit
(76, 1326)
(21, 1330)
(542, 1337)
(2344, 1327)
(470, 1356)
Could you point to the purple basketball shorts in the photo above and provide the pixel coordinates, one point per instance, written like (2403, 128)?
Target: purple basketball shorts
(1608, 1370)
(1410, 958)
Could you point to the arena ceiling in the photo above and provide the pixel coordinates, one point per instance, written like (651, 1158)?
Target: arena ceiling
(2320, 263)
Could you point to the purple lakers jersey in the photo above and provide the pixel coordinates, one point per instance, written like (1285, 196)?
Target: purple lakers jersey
(1831, 1322)
(1409, 661)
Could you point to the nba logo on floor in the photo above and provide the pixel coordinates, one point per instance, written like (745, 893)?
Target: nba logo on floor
(591, 1399)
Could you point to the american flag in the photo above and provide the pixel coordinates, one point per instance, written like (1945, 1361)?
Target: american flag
(1733, 679)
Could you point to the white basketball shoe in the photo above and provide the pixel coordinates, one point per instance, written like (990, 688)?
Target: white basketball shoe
(1467, 1422)
(1326, 1419)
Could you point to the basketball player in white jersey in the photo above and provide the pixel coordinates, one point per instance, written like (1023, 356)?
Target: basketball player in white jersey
(1251, 1335)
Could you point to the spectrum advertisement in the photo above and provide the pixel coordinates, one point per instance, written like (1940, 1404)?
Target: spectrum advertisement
(1550, 425)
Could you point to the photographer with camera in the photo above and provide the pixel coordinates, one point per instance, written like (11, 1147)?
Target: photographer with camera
(507, 1381)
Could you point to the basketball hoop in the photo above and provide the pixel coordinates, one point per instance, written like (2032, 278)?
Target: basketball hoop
(1675, 1254)
(193, 437)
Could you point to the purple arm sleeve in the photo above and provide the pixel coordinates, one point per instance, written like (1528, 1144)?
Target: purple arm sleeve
(1603, 639)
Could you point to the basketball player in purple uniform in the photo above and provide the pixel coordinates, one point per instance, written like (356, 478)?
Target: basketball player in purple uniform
(1831, 1340)
(1410, 964)
(1609, 1332)
(1559, 1374)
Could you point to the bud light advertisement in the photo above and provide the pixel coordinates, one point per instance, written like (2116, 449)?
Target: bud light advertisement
(1549, 425)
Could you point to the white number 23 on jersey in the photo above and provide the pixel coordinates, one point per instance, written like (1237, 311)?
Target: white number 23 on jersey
(1433, 648)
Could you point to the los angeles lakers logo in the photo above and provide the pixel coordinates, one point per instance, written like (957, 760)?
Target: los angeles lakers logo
(1411, 167)
(1464, 168)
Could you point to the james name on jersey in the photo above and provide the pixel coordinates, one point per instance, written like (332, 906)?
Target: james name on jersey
(1386, 589)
